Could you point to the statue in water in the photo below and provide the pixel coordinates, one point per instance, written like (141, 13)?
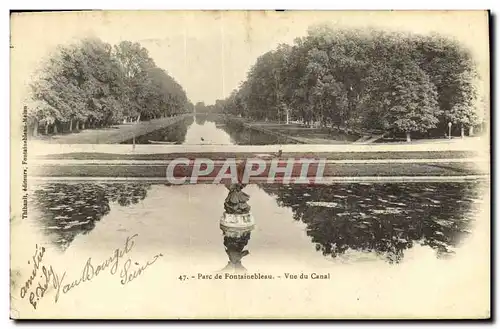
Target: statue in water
(236, 223)
(235, 249)
(236, 200)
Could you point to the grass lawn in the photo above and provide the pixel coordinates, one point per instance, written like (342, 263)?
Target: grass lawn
(111, 135)
(224, 155)
(331, 170)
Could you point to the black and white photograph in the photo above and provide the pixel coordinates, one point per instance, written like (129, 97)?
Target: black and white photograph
(250, 165)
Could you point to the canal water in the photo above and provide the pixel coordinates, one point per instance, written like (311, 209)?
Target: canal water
(212, 130)
(367, 233)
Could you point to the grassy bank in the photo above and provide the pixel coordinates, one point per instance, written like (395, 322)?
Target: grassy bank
(298, 132)
(113, 135)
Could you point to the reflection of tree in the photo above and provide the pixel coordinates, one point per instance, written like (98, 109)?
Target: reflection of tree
(382, 218)
(126, 194)
(242, 135)
(67, 210)
(200, 119)
(175, 133)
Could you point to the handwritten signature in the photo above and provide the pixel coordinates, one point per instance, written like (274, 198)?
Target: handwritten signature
(129, 272)
(48, 274)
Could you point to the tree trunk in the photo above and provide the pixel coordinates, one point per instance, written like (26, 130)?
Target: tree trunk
(77, 125)
(35, 128)
(471, 131)
(70, 125)
(408, 137)
(55, 127)
(462, 132)
(46, 128)
(83, 125)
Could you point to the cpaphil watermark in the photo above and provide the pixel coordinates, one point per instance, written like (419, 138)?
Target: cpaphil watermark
(244, 171)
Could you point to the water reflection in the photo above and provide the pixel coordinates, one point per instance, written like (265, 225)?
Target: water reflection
(235, 242)
(241, 135)
(209, 129)
(67, 210)
(200, 119)
(173, 134)
(385, 219)
(382, 219)
(236, 223)
(206, 133)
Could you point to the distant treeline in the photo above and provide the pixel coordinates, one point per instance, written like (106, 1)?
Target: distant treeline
(359, 79)
(94, 84)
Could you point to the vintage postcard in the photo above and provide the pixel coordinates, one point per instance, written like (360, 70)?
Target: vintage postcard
(250, 165)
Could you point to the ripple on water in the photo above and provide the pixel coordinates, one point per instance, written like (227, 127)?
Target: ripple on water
(387, 210)
(322, 204)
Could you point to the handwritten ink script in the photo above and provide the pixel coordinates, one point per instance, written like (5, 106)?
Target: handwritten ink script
(129, 271)
(49, 276)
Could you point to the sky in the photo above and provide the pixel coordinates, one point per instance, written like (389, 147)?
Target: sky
(210, 52)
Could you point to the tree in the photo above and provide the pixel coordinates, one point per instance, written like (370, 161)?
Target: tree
(91, 83)
(326, 93)
(80, 83)
(412, 104)
(103, 86)
(55, 93)
(200, 107)
(451, 69)
(463, 116)
(462, 112)
(135, 64)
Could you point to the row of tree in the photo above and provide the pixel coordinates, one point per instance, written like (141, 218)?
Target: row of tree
(94, 84)
(362, 79)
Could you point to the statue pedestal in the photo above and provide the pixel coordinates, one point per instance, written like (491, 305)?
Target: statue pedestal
(237, 222)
